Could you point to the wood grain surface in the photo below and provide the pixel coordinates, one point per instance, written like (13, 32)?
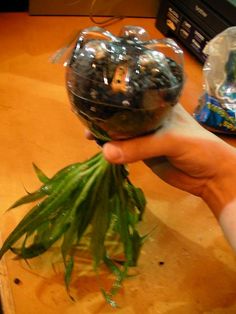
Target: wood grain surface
(186, 267)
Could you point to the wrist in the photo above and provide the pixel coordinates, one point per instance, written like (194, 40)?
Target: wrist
(220, 196)
(227, 221)
(222, 202)
(220, 189)
(220, 193)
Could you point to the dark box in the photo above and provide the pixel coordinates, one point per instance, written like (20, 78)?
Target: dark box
(195, 22)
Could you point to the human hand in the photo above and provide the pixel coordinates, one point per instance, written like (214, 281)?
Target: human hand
(187, 156)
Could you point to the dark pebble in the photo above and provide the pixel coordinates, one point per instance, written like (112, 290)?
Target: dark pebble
(17, 281)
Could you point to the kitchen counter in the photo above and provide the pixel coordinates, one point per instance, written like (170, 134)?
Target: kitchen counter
(186, 266)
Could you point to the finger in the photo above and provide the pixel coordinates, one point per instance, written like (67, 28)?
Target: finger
(154, 145)
(177, 128)
(140, 148)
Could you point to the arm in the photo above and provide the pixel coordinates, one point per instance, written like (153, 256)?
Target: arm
(195, 160)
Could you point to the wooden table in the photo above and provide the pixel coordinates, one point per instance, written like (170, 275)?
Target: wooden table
(186, 267)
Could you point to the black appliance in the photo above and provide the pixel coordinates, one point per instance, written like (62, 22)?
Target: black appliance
(195, 22)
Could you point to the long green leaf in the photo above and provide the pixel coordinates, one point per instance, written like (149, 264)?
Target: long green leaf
(119, 274)
(70, 236)
(40, 174)
(125, 229)
(137, 195)
(93, 200)
(137, 242)
(87, 202)
(81, 214)
(101, 221)
(29, 198)
(123, 214)
(40, 232)
(109, 298)
(52, 234)
(68, 271)
(39, 213)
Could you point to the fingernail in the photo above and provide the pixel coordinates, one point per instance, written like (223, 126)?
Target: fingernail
(112, 153)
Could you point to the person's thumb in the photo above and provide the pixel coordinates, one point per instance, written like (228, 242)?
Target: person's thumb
(140, 148)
